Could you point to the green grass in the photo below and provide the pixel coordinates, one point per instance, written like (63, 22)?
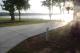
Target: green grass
(6, 22)
(58, 38)
(4, 19)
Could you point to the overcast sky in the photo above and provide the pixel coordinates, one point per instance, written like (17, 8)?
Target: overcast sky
(34, 8)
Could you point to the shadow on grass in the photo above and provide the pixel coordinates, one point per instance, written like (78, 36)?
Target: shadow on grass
(62, 40)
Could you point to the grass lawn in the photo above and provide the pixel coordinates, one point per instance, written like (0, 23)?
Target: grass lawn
(59, 41)
(6, 22)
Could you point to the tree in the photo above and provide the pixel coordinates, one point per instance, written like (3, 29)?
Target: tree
(59, 4)
(50, 3)
(8, 5)
(68, 8)
(47, 3)
(21, 4)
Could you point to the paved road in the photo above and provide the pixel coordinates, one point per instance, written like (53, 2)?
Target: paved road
(11, 36)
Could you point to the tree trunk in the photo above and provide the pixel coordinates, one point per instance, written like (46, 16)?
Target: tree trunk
(12, 17)
(19, 15)
(50, 13)
(60, 9)
(59, 6)
(63, 6)
(76, 10)
(68, 11)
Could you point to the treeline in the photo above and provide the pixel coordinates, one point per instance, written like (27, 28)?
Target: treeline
(12, 5)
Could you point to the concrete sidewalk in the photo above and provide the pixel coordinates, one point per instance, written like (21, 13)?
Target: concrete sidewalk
(11, 36)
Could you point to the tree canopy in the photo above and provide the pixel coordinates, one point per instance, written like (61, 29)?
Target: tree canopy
(22, 4)
(50, 3)
(9, 5)
(13, 5)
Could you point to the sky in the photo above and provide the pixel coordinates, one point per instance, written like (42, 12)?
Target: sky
(35, 7)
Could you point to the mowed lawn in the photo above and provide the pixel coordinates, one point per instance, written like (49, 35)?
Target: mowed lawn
(6, 22)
